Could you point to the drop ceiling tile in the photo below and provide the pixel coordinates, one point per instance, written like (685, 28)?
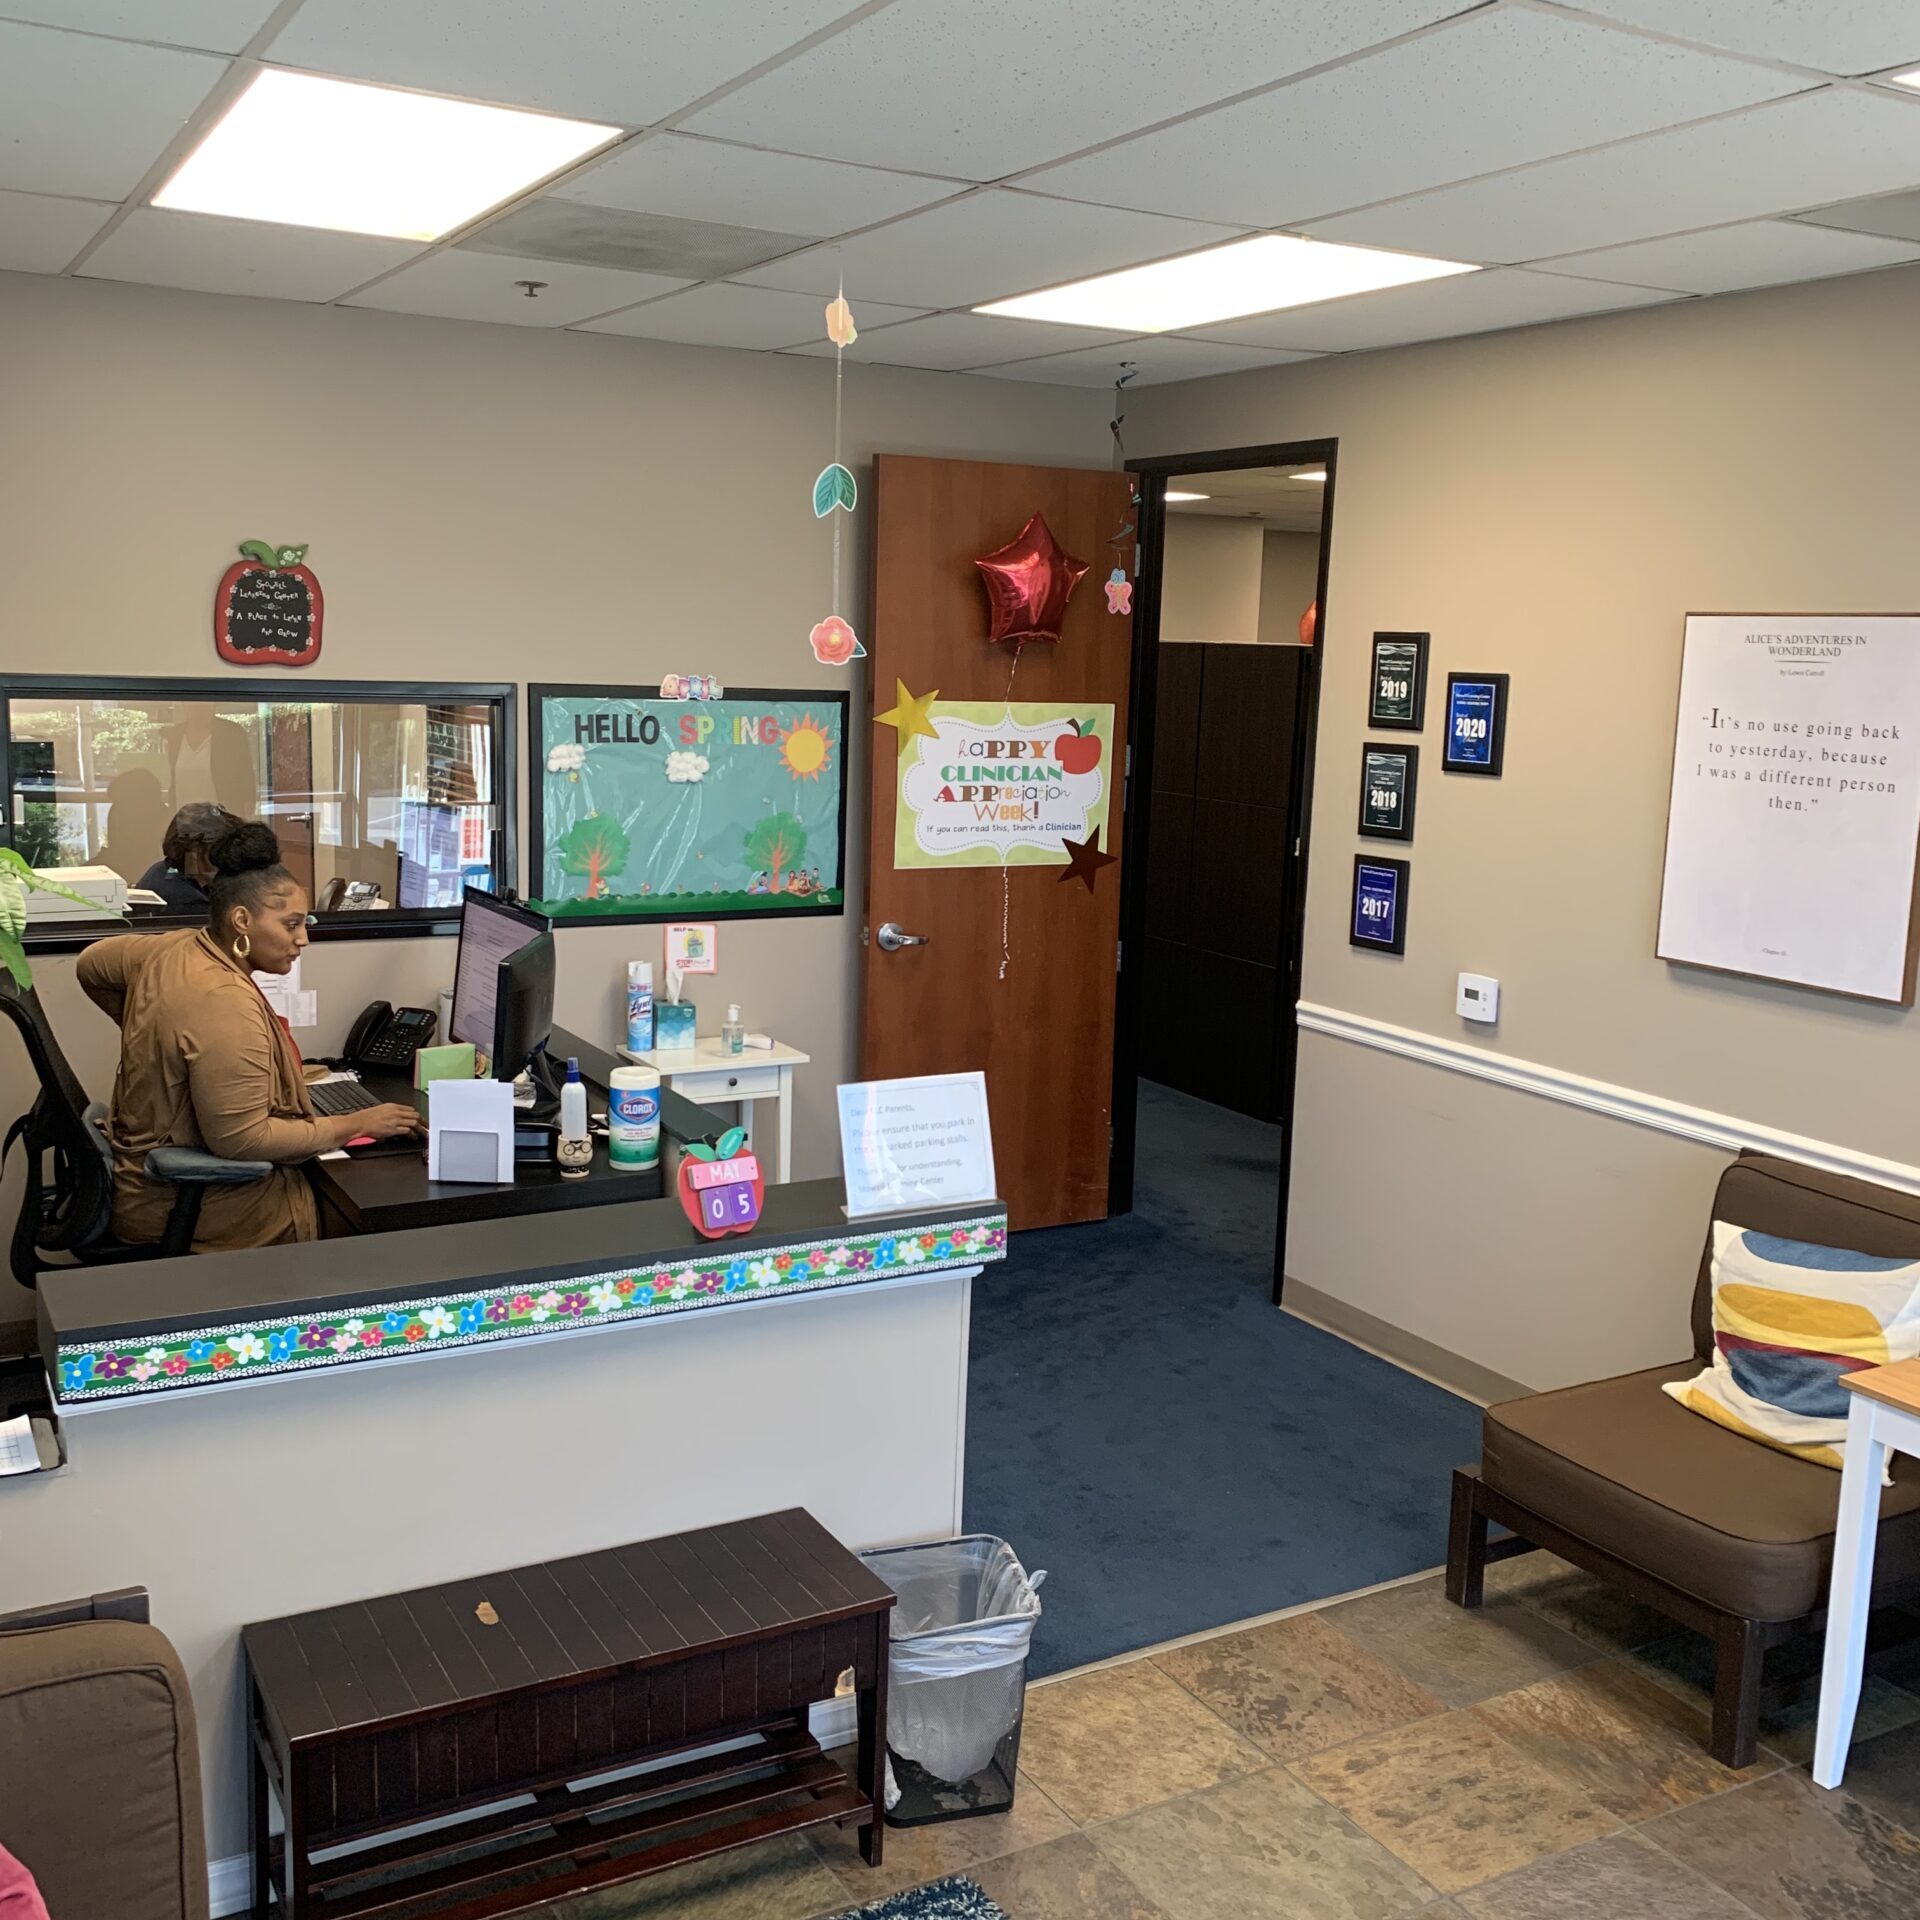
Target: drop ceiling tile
(730, 316)
(1816, 147)
(568, 230)
(1839, 36)
(709, 180)
(983, 247)
(1497, 90)
(465, 284)
(952, 342)
(1153, 361)
(1433, 310)
(984, 88)
(203, 252)
(1762, 253)
(1895, 216)
(220, 26)
(39, 234)
(88, 117)
(608, 60)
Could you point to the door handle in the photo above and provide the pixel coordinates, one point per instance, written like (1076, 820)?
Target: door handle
(891, 939)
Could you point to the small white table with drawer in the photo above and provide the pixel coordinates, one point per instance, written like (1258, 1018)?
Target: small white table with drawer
(706, 1073)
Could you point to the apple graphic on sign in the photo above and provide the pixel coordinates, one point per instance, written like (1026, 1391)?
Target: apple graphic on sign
(1078, 751)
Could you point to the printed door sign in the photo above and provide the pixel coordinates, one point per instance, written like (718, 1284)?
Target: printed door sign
(1003, 785)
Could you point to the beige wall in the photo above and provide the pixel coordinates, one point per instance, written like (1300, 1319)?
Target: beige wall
(1289, 580)
(1211, 585)
(482, 503)
(1550, 503)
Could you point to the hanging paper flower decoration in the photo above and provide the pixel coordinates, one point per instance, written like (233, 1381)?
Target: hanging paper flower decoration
(1119, 591)
(835, 644)
(1309, 623)
(1028, 583)
(840, 328)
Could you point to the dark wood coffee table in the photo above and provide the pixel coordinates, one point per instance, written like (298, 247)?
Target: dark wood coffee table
(380, 1714)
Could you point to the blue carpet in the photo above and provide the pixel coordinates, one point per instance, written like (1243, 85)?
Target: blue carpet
(1175, 1452)
(956, 1898)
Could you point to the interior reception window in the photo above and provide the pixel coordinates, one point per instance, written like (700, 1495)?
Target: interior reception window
(387, 801)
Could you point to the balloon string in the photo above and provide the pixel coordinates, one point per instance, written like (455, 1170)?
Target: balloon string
(1006, 872)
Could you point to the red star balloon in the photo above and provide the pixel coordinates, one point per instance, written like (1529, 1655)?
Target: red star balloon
(1028, 584)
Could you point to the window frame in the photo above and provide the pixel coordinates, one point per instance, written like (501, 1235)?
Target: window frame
(392, 923)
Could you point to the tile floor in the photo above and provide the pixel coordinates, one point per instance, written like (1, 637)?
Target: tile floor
(1388, 1755)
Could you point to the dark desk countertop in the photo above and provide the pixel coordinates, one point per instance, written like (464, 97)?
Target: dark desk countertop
(216, 1318)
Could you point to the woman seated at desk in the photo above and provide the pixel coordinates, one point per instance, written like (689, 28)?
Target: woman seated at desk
(205, 1063)
(185, 866)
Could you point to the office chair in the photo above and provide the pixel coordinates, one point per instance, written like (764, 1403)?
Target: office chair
(66, 1210)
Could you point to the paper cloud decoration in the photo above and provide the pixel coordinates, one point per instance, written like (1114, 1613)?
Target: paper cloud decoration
(684, 768)
(568, 757)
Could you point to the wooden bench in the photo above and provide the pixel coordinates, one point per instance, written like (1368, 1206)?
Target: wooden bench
(517, 1687)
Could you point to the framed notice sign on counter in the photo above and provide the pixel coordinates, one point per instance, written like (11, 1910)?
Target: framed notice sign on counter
(1795, 810)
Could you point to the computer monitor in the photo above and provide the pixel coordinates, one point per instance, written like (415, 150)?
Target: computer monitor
(490, 931)
(523, 1010)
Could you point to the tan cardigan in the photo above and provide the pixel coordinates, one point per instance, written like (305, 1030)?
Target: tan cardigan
(203, 1063)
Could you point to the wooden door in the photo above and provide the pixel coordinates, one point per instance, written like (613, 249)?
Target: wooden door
(1044, 1033)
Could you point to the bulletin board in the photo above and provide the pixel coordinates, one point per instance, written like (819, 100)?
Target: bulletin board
(651, 809)
(1794, 817)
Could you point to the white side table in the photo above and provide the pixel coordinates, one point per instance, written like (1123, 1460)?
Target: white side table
(706, 1073)
(1884, 1417)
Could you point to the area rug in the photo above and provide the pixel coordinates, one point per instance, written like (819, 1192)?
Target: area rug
(954, 1899)
(1178, 1455)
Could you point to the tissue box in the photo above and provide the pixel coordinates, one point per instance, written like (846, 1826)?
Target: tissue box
(673, 1026)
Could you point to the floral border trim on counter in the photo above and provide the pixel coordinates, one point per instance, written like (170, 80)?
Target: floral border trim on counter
(218, 1355)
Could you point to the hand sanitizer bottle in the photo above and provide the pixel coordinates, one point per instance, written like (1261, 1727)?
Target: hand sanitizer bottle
(574, 1149)
(733, 1035)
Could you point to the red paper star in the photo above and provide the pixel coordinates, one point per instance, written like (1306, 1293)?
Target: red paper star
(1084, 859)
(1028, 584)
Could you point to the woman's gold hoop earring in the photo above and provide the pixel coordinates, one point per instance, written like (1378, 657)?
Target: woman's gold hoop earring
(242, 946)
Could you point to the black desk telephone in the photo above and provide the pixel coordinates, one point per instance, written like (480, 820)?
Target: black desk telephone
(383, 1038)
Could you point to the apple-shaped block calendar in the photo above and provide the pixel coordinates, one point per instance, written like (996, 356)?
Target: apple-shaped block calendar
(720, 1185)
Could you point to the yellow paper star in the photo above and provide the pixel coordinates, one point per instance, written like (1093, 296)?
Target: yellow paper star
(908, 715)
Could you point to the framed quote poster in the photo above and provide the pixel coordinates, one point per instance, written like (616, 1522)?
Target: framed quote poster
(1794, 813)
(712, 809)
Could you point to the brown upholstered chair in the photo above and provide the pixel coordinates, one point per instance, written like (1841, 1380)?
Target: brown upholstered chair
(99, 1762)
(1727, 1536)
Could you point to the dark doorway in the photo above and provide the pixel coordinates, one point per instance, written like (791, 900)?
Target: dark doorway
(1225, 697)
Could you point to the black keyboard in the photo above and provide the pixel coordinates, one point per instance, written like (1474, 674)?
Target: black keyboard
(341, 1096)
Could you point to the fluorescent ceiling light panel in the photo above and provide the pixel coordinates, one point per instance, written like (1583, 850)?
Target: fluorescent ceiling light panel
(1172, 498)
(304, 151)
(1317, 473)
(1224, 283)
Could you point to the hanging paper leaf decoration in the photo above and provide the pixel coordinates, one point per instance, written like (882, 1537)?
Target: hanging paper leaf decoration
(834, 488)
(840, 328)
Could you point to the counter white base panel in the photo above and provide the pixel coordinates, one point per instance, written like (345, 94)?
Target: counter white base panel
(311, 1490)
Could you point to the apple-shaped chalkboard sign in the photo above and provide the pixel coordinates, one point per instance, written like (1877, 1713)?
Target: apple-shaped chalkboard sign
(267, 612)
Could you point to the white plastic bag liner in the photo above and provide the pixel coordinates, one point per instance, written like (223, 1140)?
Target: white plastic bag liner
(957, 1672)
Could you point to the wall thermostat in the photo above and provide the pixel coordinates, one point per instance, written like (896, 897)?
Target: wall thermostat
(1478, 997)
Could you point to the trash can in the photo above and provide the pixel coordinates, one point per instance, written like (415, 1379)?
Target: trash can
(957, 1676)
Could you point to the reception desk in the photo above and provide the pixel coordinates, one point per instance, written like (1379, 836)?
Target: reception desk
(253, 1434)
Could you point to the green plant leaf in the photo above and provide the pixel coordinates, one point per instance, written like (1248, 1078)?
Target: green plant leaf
(13, 905)
(731, 1142)
(834, 488)
(289, 556)
(13, 958)
(257, 550)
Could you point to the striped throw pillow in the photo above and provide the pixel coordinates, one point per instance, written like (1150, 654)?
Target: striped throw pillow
(1789, 1321)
